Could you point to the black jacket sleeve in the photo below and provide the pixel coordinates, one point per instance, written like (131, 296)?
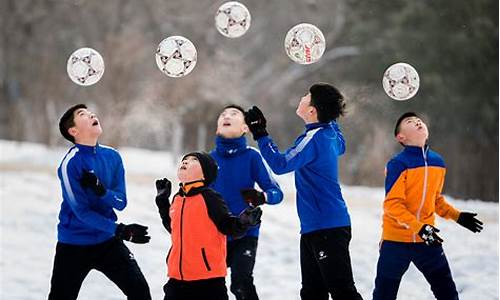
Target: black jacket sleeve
(221, 216)
(163, 204)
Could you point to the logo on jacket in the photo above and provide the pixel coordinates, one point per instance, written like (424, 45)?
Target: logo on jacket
(322, 255)
(248, 253)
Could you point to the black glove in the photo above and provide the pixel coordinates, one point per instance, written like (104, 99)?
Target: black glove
(429, 235)
(134, 233)
(163, 190)
(468, 220)
(251, 216)
(253, 197)
(90, 180)
(256, 122)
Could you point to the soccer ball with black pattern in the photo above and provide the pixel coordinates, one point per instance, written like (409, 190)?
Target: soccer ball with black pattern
(176, 56)
(401, 81)
(85, 66)
(232, 19)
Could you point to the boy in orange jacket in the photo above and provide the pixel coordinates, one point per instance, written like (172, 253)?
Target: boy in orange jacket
(413, 184)
(198, 221)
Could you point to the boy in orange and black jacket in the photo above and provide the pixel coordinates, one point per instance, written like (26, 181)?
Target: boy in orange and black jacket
(413, 184)
(198, 220)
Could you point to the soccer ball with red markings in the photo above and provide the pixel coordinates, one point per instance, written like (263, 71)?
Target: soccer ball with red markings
(176, 56)
(305, 43)
(401, 81)
(85, 66)
(232, 19)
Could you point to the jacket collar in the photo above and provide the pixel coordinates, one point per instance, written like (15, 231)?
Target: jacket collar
(416, 149)
(228, 147)
(88, 149)
(191, 188)
(312, 126)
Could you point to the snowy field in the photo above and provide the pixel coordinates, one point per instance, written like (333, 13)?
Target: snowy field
(30, 199)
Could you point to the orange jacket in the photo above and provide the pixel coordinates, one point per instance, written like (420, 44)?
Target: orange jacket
(413, 185)
(199, 221)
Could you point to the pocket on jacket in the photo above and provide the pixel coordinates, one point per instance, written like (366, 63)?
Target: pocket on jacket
(205, 260)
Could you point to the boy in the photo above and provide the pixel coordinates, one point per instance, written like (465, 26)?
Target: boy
(324, 220)
(198, 221)
(93, 184)
(240, 167)
(413, 185)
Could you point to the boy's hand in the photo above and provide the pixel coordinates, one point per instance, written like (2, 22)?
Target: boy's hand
(163, 189)
(428, 233)
(134, 233)
(256, 122)
(90, 180)
(468, 220)
(251, 216)
(253, 197)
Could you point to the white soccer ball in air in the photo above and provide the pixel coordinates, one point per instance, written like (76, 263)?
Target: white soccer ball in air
(176, 56)
(232, 19)
(305, 43)
(401, 81)
(85, 66)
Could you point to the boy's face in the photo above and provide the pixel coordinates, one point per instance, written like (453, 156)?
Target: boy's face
(412, 132)
(190, 170)
(305, 110)
(87, 125)
(231, 123)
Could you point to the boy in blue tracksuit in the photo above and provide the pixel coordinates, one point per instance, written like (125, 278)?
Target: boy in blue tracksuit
(240, 167)
(93, 184)
(324, 219)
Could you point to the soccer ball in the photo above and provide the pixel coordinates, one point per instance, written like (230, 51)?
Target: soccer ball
(176, 56)
(85, 66)
(232, 19)
(305, 44)
(401, 81)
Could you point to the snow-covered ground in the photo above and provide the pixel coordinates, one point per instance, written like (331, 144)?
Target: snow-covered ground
(30, 199)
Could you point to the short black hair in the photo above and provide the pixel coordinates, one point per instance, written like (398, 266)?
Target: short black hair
(235, 106)
(68, 120)
(401, 118)
(328, 101)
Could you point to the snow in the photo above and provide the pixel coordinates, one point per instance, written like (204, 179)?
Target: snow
(30, 199)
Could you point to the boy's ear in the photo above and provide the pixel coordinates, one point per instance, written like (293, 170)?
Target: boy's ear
(245, 128)
(73, 131)
(400, 138)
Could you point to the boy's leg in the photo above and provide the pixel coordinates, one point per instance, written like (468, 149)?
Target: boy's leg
(393, 261)
(242, 261)
(313, 287)
(71, 266)
(432, 262)
(330, 248)
(116, 261)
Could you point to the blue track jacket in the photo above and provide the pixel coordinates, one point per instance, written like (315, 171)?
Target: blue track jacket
(240, 167)
(85, 218)
(314, 159)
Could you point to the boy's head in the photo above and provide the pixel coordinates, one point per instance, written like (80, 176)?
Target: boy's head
(78, 124)
(196, 166)
(231, 122)
(410, 130)
(323, 103)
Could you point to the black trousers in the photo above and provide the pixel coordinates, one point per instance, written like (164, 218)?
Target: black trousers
(206, 289)
(326, 265)
(72, 263)
(241, 259)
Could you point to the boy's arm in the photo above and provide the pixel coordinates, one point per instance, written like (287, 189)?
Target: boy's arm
(116, 195)
(262, 175)
(77, 199)
(395, 189)
(443, 208)
(218, 212)
(340, 138)
(293, 158)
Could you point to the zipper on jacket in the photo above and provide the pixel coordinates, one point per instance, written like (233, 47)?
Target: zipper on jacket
(205, 260)
(424, 190)
(180, 256)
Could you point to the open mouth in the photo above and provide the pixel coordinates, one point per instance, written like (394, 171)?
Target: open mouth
(95, 123)
(183, 168)
(226, 124)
